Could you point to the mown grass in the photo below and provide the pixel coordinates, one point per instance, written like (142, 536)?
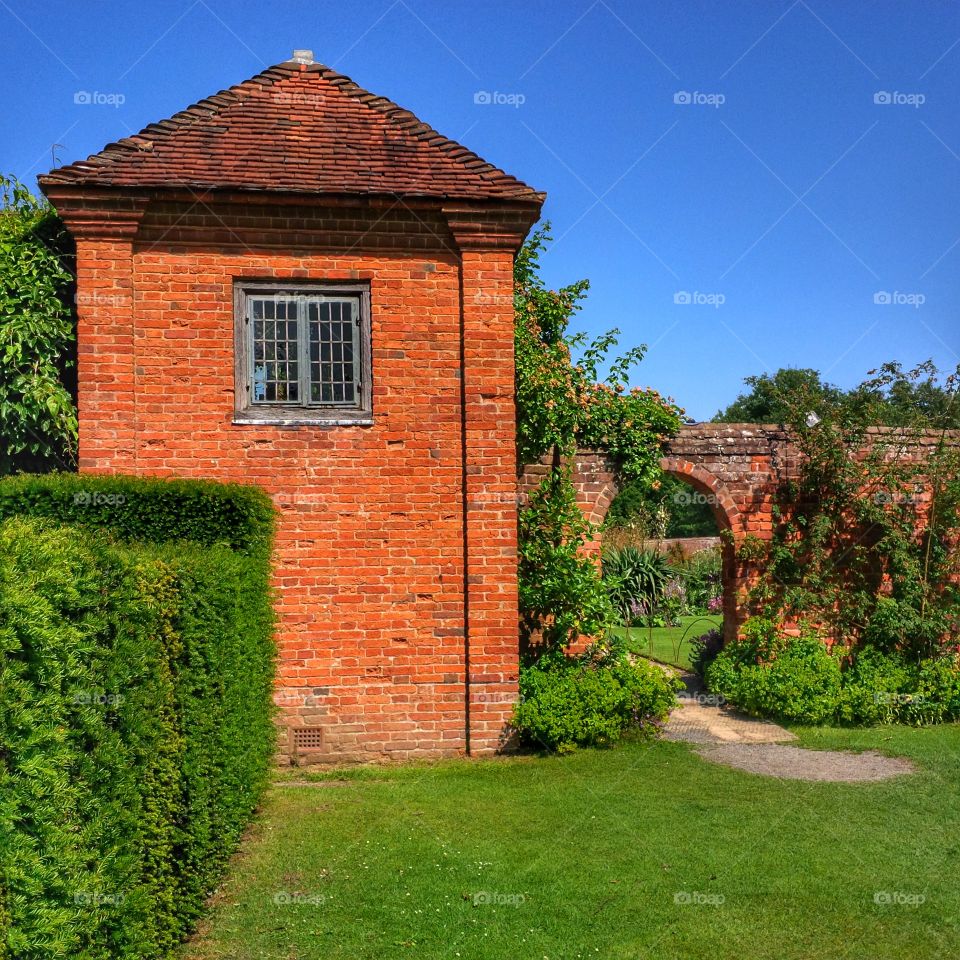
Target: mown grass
(641, 851)
(669, 644)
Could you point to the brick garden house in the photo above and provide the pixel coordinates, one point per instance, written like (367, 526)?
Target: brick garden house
(296, 283)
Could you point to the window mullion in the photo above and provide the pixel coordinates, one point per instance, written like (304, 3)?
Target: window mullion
(249, 342)
(357, 347)
(303, 339)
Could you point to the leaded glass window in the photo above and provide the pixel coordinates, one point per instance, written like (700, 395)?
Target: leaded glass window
(304, 349)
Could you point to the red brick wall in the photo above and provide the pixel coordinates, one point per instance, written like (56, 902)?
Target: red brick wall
(738, 468)
(371, 546)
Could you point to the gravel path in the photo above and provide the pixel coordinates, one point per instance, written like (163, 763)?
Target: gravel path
(757, 746)
(795, 763)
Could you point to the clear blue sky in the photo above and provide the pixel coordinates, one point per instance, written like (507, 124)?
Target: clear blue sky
(787, 207)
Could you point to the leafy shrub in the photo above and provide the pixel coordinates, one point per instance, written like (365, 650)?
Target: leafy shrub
(147, 509)
(876, 687)
(591, 700)
(634, 578)
(795, 679)
(38, 420)
(938, 692)
(135, 723)
(561, 594)
(767, 674)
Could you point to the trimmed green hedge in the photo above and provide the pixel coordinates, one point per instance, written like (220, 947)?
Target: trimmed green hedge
(146, 509)
(136, 721)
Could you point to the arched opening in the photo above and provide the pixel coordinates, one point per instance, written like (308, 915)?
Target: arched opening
(691, 524)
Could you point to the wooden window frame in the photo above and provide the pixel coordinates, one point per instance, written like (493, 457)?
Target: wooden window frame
(247, 411)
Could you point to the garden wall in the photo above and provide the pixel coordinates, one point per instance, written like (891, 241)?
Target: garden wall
(738, 469)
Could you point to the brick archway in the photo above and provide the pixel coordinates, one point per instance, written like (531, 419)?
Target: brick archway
(727, 517)
(719, 499)
(737, 467)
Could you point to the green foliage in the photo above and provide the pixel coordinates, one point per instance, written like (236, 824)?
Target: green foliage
(667, 508)
(648, 588)
(773, 398)
(563, 405)
(561, 594)
(146, 508)
(798, 682)
(135, 725)
(593, 700)
(635, 580)
(38, 420)
(888, 688)
(876, 687)
(767, 674)
(700, 574)
(864, 551)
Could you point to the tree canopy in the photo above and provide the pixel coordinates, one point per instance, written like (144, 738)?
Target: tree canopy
(38, 420)
(891, 401)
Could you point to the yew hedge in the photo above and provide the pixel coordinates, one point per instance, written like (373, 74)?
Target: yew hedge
(136, 722)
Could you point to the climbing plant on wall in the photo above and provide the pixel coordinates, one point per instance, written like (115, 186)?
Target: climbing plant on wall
(570, 394)
(866, 548)
(38, 420)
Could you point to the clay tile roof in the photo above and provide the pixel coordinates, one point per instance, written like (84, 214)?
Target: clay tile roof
(296, 128)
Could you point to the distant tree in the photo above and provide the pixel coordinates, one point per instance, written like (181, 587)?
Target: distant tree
(898, 398)
(671, 509)
(771, 397)
(774, 398)
(38, 419)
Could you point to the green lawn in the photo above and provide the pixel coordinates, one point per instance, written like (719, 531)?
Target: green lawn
(669, 644)
(643, 851)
